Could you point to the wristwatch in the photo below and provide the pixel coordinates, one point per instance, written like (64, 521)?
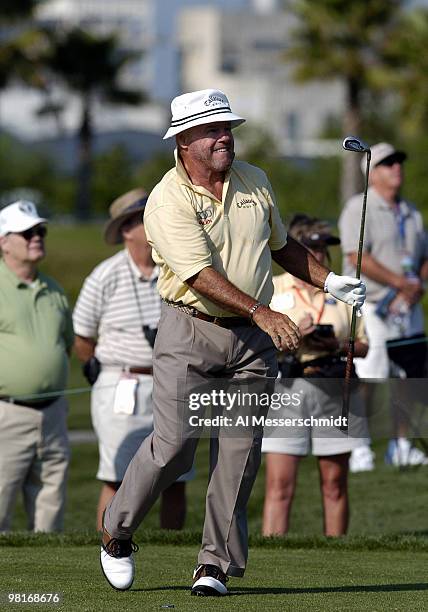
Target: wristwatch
(253, 309)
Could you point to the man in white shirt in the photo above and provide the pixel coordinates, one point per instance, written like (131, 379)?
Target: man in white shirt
(115, 320)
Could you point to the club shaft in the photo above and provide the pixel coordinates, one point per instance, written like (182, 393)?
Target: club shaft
(351, 345)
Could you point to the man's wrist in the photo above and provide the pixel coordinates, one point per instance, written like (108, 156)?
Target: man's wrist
(399, 282)
(253, 309)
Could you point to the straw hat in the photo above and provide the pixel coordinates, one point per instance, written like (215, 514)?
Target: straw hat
(121, 210)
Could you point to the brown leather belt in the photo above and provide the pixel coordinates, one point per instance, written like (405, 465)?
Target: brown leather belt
(227, 322)
(138, 370)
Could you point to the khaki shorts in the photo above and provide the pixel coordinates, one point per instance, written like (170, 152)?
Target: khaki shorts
(300, 438)
(120, 435)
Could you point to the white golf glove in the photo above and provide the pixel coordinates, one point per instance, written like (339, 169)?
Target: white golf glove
(347, 289)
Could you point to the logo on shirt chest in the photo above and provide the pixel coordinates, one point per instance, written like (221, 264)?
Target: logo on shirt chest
(246, 203)
(205, 217)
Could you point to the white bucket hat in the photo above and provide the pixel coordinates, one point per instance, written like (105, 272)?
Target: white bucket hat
(18, 217)
(199, 107)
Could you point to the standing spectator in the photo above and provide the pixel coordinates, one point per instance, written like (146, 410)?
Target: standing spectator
(214, 227)
(324, 323)
(115, 320)
(394, 264)
(36, 336)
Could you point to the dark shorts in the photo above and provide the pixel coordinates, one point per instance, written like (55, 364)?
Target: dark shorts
(411, 357)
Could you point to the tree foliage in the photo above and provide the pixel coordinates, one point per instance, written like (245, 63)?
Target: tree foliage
(346, 40)
(407, 55)
(90, 66)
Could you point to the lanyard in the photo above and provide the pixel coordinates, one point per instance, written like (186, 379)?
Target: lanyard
(137, 297)
(400, 219)
(319, 312)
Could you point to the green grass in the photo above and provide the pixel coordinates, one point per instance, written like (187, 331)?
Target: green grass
(386, 501)
(302, 579)
(380, 565)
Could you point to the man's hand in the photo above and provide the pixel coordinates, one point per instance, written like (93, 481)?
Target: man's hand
(411, 290)
(284, 333)
(347, 289)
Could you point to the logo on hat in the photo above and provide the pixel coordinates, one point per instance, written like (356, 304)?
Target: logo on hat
(27, 208)
(213, 99)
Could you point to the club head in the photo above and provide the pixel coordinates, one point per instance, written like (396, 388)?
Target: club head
(352, 143)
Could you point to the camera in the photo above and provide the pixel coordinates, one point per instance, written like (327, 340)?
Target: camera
(323, 331)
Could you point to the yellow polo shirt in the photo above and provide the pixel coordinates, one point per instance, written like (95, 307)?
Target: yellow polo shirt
(190, 229)
(296, 302)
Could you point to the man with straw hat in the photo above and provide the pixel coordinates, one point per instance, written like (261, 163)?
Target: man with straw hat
(115, 320)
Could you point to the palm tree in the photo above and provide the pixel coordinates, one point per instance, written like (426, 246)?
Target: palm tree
(408, 58)
(344, 39)
(17, 39)
(89, 66)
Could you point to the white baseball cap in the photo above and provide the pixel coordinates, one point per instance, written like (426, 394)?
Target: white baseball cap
(380, 152)
(18, 217)
(198, 108)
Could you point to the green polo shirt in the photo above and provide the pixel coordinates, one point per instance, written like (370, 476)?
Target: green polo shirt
(36, 331)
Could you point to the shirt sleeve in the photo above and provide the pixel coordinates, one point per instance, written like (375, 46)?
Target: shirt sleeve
(178, 239)
(349, 227)
(278, 237)
(88, 309)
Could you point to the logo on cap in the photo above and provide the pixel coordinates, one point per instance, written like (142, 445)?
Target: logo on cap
(26, 208)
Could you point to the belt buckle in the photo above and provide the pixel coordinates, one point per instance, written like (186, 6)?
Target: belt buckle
(218, 321)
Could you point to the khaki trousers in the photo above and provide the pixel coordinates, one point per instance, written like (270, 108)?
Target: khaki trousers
(190, 352)
(34, 456)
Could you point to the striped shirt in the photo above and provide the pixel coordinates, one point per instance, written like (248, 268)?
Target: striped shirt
(114, 304)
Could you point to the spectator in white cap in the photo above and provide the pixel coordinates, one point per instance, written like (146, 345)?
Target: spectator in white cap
(36, 336)
(394, 266)
(214, 227)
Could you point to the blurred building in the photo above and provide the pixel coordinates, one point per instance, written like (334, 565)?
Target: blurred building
(234, 45)
(242, 53)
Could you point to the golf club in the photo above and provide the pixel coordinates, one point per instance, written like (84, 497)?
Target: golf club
(352, 143)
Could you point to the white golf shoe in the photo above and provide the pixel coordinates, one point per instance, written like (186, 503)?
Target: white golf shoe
(117, 562)
(362, 459)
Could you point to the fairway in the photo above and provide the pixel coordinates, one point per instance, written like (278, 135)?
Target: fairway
(308, 579)
(381, 565)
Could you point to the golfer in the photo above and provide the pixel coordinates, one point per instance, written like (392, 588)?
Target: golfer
(214, 228)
